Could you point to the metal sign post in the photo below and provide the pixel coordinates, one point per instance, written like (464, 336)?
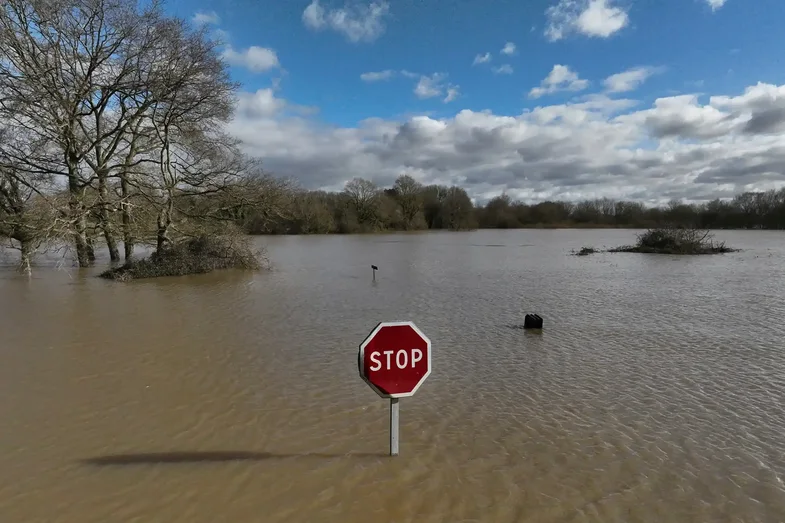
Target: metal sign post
(394, 360)
(394, 425)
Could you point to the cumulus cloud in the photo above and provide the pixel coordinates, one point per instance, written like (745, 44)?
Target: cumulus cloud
(201, 18)
(262, 103)
(377, 76)
(431, 86)
(592, 146)
(357, 22)
(482, 58)
(503, 69)
(593, 18)
(256, 59)
(561, 78)
(629, 80)
(716, 4)
(453, 93)
(508, 49)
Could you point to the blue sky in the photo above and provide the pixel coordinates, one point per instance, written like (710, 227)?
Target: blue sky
(323, 68)
(313, 53)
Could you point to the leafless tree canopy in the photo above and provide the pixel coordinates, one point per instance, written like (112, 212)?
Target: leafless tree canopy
(112, 116)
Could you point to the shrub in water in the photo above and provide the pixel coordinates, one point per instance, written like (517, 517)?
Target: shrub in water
(676, 240)
(197, 255)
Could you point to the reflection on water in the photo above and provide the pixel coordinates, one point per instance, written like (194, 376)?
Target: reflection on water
(654, 393)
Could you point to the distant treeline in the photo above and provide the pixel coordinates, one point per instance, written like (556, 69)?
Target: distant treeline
(409, 205)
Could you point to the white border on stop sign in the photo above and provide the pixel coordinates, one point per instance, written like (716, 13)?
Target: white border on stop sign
(367, 340)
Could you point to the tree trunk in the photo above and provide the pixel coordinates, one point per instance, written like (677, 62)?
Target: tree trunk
(164, 220)
(111, 243)
(26, 251)
(79, 236)
(90, 249)
(128, 239)
(106, 224)
(76, 210)
(161, 236)
(128, 248)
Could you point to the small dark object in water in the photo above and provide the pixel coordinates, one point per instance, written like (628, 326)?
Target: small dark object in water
(374, 267)
(532, 321)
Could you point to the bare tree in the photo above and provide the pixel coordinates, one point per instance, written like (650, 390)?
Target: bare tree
(408, 194)
(127, 105)
(193, 97)
(363, 196)
(313, 214)
(65, 68)
(458, 209)
(28, 219)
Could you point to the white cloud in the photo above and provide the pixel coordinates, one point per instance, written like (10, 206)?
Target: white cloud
(561, 78)
(452, 93)
(201, 18)
(482, 58)
(256, 59)
(261, 103)
(716, 4)
(264, 104)
(508, 49)
(594, 146)
(357, 22)
(377, 76)
(431, 86)
(593, 18)
(503, 69)
(629, 80)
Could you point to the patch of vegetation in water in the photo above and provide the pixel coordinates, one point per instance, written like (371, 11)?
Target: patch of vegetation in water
(676, 240)
(197, 255)
(585, 251)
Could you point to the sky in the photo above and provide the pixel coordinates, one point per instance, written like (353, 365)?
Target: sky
(647, 100)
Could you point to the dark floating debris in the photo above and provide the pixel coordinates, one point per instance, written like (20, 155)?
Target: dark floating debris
(532, 321)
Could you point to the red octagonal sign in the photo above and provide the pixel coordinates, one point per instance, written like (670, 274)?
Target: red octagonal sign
(395, 359)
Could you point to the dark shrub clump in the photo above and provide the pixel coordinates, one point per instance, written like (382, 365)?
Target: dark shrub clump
(585, 251)
(674, 240)
(198, 255)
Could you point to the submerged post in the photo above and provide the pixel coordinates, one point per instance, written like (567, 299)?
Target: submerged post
(394, 424)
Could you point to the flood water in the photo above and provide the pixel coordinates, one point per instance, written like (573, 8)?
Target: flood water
(654, 394)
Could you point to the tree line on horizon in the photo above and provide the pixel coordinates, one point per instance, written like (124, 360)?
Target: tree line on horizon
(409, 206)
(112, 135)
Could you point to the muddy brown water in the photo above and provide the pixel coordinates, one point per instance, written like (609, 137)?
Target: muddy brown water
(655, 392)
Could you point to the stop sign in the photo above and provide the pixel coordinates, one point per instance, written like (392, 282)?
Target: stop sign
(395, 359)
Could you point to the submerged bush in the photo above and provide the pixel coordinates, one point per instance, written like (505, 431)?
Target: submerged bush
(198, 255)
(676, 240)
(585, 251)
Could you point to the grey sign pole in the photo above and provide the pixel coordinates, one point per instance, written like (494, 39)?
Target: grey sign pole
(395, 359)
(394, 425)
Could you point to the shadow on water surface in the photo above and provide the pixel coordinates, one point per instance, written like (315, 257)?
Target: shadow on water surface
(217, 456)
